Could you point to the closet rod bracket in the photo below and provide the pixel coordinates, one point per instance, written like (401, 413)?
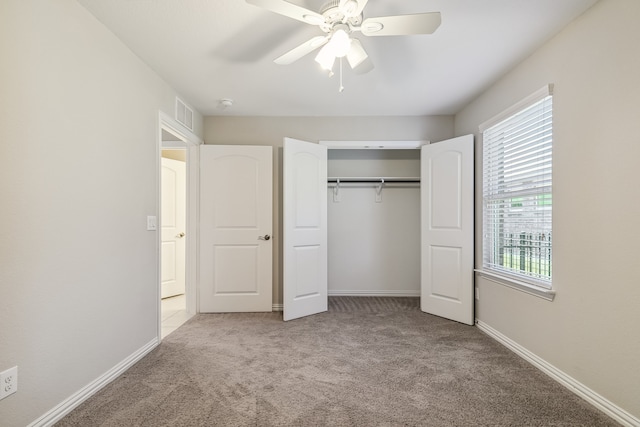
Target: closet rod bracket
(379, 191)
(336, 191)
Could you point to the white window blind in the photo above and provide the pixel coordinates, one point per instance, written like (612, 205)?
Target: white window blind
(517, 196)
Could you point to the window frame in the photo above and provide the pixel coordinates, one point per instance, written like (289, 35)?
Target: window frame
(523, 282)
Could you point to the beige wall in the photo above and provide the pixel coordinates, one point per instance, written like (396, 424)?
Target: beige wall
(272, 130)
(591, 329)
(79, 282)
(78, 132)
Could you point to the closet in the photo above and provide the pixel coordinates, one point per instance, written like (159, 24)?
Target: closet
(376, 231)
(373, 219)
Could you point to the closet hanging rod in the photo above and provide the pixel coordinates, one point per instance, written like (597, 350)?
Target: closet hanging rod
(385, 179)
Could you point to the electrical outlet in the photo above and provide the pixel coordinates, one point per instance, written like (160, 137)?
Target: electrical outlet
(478, 294)
(8, 382)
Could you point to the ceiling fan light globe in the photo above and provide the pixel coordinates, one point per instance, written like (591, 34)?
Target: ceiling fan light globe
(340, 43)
(356, 54)
(326, 58)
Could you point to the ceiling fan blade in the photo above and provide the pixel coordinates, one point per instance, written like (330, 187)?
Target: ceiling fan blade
(352, 8)
(401, 25)
(285, 8)
(298, 52)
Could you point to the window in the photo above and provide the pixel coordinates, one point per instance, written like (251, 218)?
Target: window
(517, 196)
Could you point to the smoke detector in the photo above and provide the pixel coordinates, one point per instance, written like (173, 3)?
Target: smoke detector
(225, 103)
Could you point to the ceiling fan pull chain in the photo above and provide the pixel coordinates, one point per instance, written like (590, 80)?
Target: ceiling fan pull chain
(341, 88)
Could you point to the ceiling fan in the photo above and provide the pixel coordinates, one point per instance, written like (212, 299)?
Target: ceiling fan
(339, 19)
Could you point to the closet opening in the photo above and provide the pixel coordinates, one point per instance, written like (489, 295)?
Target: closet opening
(373, 217)
(392, 238)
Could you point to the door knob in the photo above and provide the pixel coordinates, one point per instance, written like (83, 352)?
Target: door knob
(265, 237)
(180, 235)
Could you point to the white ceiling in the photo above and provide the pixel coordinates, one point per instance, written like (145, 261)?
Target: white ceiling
(213, 49)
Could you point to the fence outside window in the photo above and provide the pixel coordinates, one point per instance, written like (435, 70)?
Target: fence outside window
(528, 253)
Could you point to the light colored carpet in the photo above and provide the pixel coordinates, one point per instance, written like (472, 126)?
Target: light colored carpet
(366, 362)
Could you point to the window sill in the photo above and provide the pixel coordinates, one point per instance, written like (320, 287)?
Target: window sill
(546, 294)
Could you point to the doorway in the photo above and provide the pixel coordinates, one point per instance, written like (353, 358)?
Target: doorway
(177, 218)
(173, 209)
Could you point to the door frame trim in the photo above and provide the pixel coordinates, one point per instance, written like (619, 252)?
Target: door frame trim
(191, 142)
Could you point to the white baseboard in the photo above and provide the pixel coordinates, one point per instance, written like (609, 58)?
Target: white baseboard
(73, 401)
(606, 406)
(376, 293)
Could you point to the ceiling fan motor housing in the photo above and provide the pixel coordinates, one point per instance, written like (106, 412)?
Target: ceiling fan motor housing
(333, 15)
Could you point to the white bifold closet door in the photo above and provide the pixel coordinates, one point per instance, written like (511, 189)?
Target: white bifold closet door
(304, 229)
(446, 235)
(446, 197)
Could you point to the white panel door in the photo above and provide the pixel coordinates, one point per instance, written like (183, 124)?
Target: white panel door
(173, 217)
(304, 228)
(235, 229)
(447, 229)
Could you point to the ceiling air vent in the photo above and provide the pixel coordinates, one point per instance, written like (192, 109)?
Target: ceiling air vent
(184, 114)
